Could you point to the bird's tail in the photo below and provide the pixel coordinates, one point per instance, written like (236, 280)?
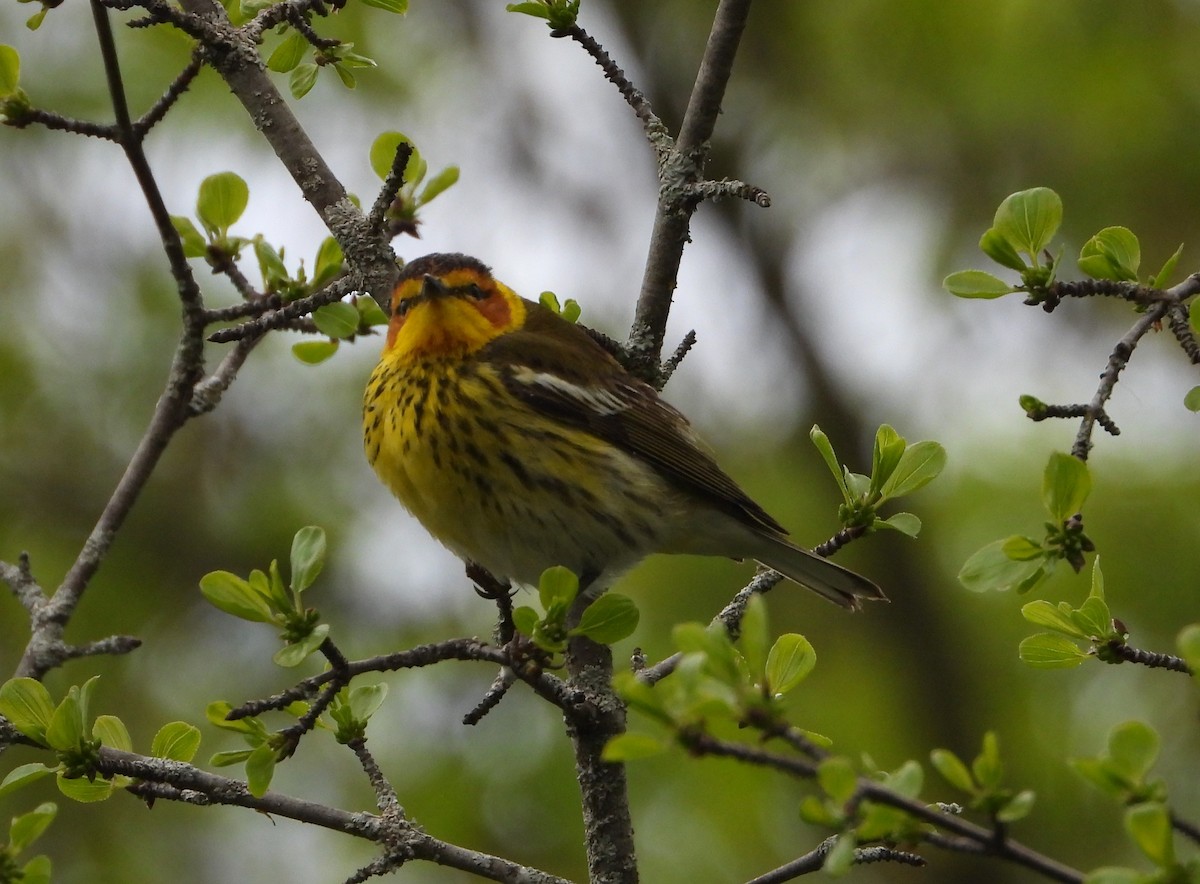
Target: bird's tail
(840, 585)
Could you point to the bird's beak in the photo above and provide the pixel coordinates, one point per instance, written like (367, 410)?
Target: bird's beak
(432, 287)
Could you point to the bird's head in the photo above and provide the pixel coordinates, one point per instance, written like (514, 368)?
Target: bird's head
(449, 305)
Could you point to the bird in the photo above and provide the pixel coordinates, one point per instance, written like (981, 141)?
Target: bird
(520, 443)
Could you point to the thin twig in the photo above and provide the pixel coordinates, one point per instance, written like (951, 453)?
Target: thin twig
(656, 132)
(279, 317)
(178, 86)
(1108, 380)
(871, 790)
(730, 617)
(1124, 653)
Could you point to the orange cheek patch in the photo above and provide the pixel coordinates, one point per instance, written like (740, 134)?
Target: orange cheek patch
(495, 310)
(394, 327)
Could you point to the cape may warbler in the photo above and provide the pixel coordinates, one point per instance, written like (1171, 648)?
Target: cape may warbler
(520, 443)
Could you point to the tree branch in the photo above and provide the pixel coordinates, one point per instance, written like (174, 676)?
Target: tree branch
(679, 170)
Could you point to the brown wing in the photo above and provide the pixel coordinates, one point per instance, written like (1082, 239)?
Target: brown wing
(558, 369)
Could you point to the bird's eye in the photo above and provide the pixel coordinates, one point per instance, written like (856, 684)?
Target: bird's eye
(476, 292)
(402, 307)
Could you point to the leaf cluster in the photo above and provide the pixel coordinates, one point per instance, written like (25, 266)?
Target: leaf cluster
(1022, 230)
(717, 679)
(67, 729)
(1020, 562)
(607, 620)
(897, 469)
(264, 598)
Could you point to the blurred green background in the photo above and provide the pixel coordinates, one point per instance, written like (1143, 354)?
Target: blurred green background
(886, 134)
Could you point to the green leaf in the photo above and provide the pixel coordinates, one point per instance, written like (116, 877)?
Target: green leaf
(383, 152)
(997, 247)
(308, 554)
(1051, 616)
(918, 465)
(370, 313)
(338, 320)
(1048, 650)
(297, 652)
(525, 619)
(328, 264)
(1023, 549)
(885, 455)
(35, 21)
(289, 53)
(1093, 618)
(270, 265)
(217, 713)
(906, 780)
(1133, 748)
(632, 747)
(1188, 643)
(235, 596)
(838, 778)
(111, 732)
(1029, 219)
(28, 827)
(314, 352)
(439, 183)
(987, 768)
(640, 696)
(365, 700)
(226, 759)
(1097, 590)
(789, 662)
(1018, 807)
(906, 523)
(399, 7)
(66, 727)
(23, 776)
(1113, 253)
(1191, 400)
(302, 79)
(345, 75)
(990, 568)
(26, 703)
(976, 284)
(1163, 276)
(10, 70)
(260, 768)
(825, 447)
(571, 310)
(1149, 825)
(83, 791)
(557, 586)
(191, 239)
(609, 619)
(841, 856)
(952, 769)
(1066, 484)
(537, 10)
(755, 640)
(816, 812)
(223, 198)
(177, 741)
(37, 870)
